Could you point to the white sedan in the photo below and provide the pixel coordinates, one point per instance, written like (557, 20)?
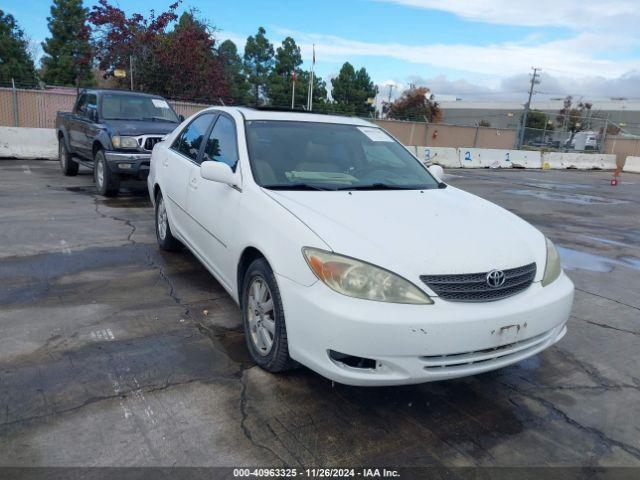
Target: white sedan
(347, 255)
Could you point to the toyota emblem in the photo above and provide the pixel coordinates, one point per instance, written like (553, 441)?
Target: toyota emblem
(496, 278)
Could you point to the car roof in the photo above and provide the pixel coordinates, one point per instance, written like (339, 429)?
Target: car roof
(293, 115)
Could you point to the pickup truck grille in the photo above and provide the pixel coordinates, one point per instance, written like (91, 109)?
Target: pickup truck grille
(148, 142)
(473, 287)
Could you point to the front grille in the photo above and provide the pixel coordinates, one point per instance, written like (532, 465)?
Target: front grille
(473, 287)
(150, 142)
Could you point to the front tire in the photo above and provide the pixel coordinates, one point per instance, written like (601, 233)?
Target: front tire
(166, 240)
(107, 183)
(68, 166)
(263, 318)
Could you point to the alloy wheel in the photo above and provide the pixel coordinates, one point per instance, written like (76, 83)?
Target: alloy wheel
(261, 316)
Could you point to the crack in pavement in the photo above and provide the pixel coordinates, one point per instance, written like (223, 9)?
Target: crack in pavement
(607, 298)
(243, 422)
(604, 439)
(100, 398)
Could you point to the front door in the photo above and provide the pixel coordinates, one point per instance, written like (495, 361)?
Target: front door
(213, 205)
(176, 165)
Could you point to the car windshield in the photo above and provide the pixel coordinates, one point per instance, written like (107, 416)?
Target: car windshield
(293, 155)
(118, 106)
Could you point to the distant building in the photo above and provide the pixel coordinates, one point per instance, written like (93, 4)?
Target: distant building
(501, 114)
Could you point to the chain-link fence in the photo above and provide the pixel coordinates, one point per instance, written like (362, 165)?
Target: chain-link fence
(37, 108)
(579, 132)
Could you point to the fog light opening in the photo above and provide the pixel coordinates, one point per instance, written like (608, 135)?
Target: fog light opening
(124, 166)
(352, 361)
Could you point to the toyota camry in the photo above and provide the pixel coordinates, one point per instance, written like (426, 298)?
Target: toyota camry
(349, 256)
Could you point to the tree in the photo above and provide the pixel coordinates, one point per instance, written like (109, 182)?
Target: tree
(538, 120)
(15, 61)
(288, 59)
(258, 62)
(352, 91)
(119, 40)
(234, 76)
(484, 123)
(574, 119)
(190, 68)
(67, 53)
(416, 103)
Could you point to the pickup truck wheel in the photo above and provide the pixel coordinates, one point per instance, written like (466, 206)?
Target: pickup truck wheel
(166, 240)
(263, 318)
(68, 167)
(107, 183)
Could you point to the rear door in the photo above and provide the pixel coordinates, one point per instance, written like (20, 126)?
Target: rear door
(88, 125)
(176, 166)
(213, 206)
(75, 126)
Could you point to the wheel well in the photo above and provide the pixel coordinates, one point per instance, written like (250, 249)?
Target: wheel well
(96, 146)
(248, 256)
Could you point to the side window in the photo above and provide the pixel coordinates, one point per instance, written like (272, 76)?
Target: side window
(92, 104)
(189, 141)
(222, 144)
(81, 106)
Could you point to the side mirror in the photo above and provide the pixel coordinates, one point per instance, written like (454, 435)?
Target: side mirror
(181, 118)
(92, 114)
(436, 171)
(217, 172)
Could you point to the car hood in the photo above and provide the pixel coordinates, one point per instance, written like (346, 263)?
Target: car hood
(413, 233)
(135, 127)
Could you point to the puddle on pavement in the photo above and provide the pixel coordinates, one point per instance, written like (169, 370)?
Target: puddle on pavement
(572, 198)
(574, 259)
(608, 241)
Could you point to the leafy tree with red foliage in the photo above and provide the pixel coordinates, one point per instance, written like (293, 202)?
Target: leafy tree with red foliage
(415, 104)
(179, 63)
(191, 67)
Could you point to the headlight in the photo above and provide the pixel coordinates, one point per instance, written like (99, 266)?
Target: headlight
(124, 142)
(362, 280)
(552, 269)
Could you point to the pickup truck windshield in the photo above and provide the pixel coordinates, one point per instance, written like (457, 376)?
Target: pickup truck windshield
(118, 106)
(293, 155)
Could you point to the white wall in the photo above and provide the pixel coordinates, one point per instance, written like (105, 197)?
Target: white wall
(26, 143)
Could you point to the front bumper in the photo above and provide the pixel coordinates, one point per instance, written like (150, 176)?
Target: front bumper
(420, 343)
(135, 164)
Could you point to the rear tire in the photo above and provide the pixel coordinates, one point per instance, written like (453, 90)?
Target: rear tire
(166, 240)
(68, 166)
(107, 183)
(263, 318)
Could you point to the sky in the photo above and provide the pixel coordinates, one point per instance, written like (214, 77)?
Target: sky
(471, 49)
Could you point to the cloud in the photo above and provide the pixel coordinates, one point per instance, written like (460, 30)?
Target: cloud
(575, 14)
(573, 57)
(515, 87)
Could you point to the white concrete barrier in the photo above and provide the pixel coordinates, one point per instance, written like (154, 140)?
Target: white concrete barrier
(580, 161)
(632, 164)
(484, 158)
(525, 159)
(26, 143)
(446, 157)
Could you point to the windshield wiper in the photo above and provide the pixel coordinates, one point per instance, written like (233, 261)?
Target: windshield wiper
(158, 119)
(381, 186)
(295, 186)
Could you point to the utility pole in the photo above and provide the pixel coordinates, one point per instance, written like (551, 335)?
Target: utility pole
(391, 85)
(535, 79)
